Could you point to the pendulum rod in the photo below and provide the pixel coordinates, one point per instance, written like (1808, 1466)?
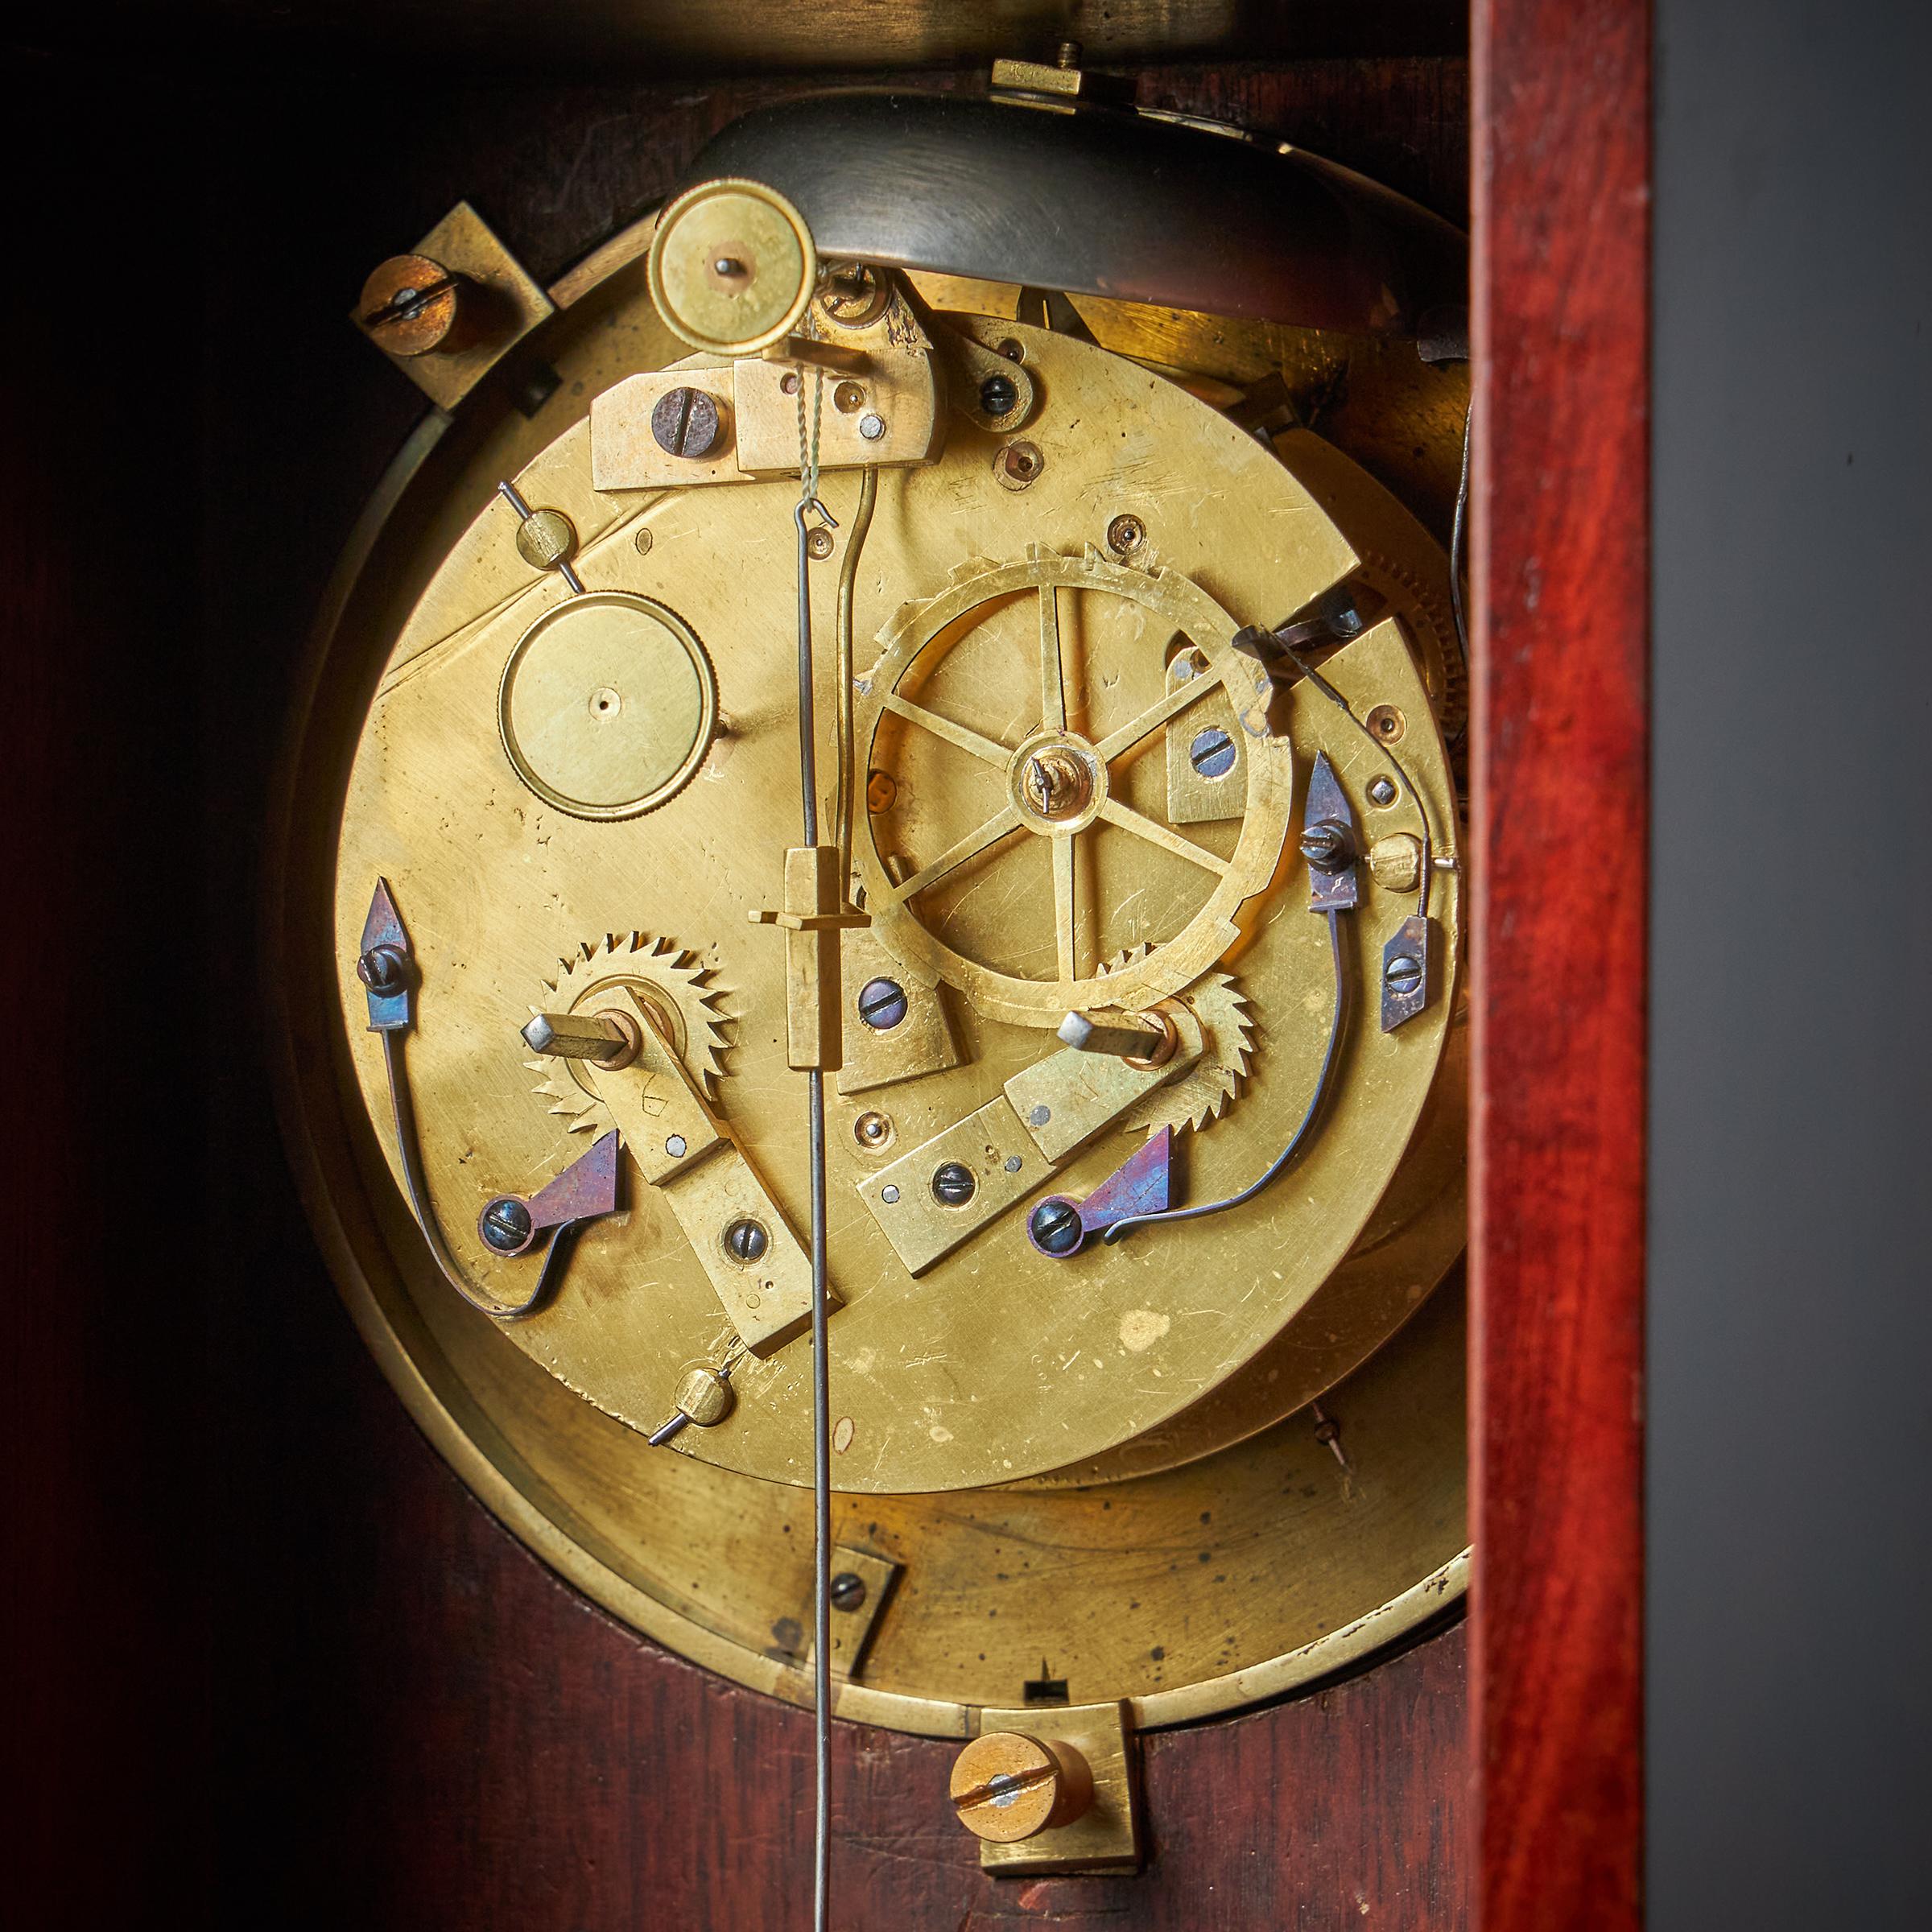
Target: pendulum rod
(814, 1127)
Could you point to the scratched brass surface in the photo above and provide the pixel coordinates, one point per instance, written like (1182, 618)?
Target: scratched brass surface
(998, 1363)
(1233, 1575)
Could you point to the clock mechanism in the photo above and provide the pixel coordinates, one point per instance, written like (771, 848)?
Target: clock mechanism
(1003, 716)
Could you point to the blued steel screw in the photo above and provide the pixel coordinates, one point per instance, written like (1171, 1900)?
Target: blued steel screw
(1342, 614)
(1403, 974)
(998, 394)
(1327, 846)
(1211, 754)
(882, 1004)
(1055, 1227)
(685, 423)
(746, 1240)
(505, 1225)
(1381, 791)
(847, 1591)
(381, 969)
(953, 1184)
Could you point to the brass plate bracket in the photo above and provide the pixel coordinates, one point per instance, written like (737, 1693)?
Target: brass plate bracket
(465, 245)
(853, 1621)
(884, 411)
(1106, 1836)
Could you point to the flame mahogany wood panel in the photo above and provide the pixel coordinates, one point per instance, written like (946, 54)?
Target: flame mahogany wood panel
(1560, 805)
(274, 1665)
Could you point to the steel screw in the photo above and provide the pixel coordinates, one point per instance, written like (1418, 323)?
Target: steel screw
(1055, 1227)
(1381, 791)
(953, 1184)
(685, 423)
(1326, 845)
(818, 543)
(1403, 974)
(872, 426)
(674, 1146)
(746, 1240)
(882, 1004)
(999, 395)
(1211, 754)
(847, 1591)
(382, 969)
(872, 1130)
(505, 1225)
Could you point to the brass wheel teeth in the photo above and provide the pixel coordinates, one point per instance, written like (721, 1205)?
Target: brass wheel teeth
(668, 970)
(1201, 1098)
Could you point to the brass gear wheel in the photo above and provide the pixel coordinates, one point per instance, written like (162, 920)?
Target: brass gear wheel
(600, 969)
(1080, 771)
(1201, 1098)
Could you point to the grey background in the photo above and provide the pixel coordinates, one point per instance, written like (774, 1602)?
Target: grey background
(1790, 1529)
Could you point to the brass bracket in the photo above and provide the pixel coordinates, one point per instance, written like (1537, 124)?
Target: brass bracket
(880, 407)
(861, 1583)
(811, 919)
(686, 1152)
(1106, 1836)
(500, 302)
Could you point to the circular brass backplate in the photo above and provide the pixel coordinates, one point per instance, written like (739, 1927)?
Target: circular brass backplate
(607, 705)
(997, 1363)
(1233, 1576)
(732, 266)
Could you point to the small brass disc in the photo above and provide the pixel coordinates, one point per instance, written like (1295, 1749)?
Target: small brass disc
(607, 705)
(732, 266)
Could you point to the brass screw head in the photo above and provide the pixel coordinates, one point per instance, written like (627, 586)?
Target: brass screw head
(545, 538)
(411, 305)
(881, 788)
(704, 1396)
(1395, 861)
(1126, 534)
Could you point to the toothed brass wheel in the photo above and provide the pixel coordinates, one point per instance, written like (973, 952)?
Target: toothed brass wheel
(1057, 776)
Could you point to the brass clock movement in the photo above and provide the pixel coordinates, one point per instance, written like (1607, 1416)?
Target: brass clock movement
(884, 768)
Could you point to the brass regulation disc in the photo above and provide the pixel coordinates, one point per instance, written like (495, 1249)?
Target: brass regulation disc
(607, 705)
(732, 266)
